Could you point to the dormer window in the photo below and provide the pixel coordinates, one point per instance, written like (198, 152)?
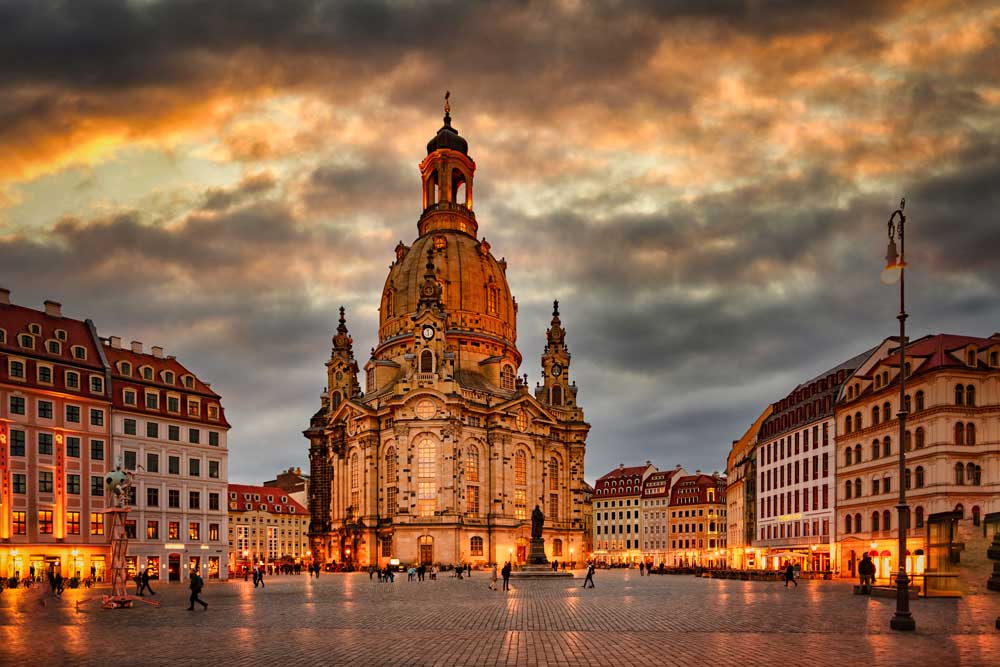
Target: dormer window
(194, 408)
(61, 334)
(284, 499)
(3, 336)
(79, 352)
(54, 347)
(36, 329)
(147, 373)
(249, 506)
(970, 357)
(994, 357)
(270, 499)
(213, 411)
(292, 510)
(256, 497)
(168, 377)
(26, 341)
(188, 381)
(125, 368)
(129, 396)
(246, 496)
(232, 496)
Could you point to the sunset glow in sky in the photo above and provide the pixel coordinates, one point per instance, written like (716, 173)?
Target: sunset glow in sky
(703, 185)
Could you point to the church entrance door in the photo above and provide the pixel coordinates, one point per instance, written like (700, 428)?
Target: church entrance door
(426, 544)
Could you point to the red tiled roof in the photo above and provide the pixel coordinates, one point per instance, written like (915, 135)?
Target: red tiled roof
(939, 350)
(619, 481)
(158, 364)
(682, 490)
(275, 506)
(657, 485)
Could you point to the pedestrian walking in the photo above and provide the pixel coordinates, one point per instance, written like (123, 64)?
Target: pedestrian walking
(197, 583)
(590, 576)
(144, 584)
(506, 576)
(493, 577)
(790, 575)
(642, 568)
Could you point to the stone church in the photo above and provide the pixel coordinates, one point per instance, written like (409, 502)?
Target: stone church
(445, 453)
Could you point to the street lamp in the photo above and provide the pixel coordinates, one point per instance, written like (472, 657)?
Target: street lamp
(893, 272)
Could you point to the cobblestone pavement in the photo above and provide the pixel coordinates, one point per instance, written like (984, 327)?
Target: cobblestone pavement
(626, 620)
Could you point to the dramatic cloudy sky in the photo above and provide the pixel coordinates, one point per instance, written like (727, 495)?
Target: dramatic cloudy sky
(704, 185)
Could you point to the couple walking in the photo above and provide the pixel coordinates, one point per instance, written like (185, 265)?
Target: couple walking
(505, 572)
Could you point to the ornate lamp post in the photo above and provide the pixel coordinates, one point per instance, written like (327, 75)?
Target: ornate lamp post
(895, 266)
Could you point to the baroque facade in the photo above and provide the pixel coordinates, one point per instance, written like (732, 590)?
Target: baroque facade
(443, 456)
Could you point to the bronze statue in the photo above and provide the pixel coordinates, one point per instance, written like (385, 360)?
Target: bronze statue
(537, 520)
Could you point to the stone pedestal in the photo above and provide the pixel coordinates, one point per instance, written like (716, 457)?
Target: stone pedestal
(536, 552)
(538, 566)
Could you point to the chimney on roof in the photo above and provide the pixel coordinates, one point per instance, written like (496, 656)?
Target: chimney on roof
(157, 351)
(52, 308)
(4, 295)
(697, 472)
(137, 346)
(621, 466)
(115, 341)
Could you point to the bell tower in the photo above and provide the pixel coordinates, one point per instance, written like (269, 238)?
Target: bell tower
(342, 369)
(556, 389)
(447, 173)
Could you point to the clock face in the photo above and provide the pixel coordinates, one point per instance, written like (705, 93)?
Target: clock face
(556, 370)
(428, 332)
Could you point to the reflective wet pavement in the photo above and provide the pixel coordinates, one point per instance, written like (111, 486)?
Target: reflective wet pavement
(625, 620)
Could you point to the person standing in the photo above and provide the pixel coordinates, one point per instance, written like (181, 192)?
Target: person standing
(790, 574)
(493, 578)
(197, 583)
(866, 571)
(642, 568)
(506, 576)
(590, 576)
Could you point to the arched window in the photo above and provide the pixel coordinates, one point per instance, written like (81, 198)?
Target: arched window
(426, 361)
(857, 453)
(959, 433)
(907, 479)
(970, 434)
(557, 398)
(426, 477)
(919, 514)
(557, 549)
(857, 488)
(847, 489)
(887, 521)
(356, 483)
(920, 400)
(507, 377)
(920, 477)
(959, 473)
(492, 299)
(848, 424)
(857, 522)
(476, 546)
(857, 421)
(848, 524)
(335, 399)
(472, 464)
(970, 395)
(390, 304)
(907, 441)
(886, 411)
(907, 404)
(520, 469)
(553, 474)
(875, 522)
(886, 446)
(875, 415)
(391, 484)
(458, 186)
(847, 457)
(977, 475)
(876, 449)
(959, 395)
(976, 515)
(921, 437)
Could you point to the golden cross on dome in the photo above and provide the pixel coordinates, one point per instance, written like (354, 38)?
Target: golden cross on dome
(447, 105)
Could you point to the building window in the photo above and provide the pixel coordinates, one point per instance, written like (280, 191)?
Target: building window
(213, 532)
(194, 436)
(970, 434)
(19, 483)
(194, 467)
(173, 498)
(130, 528)
(173, 530)
(152, 400)
(45, 409)
(17, 405)
(96, 417)
(173, 432)
(152, 497)
(72, 523)
(919, 403)
(72, 379)
(96, 450)
(390, 480)
(520, 469)
(173, 404)
(96, 384)
(129, 397)
(472, 500)
(553, 506)
(920, 437)
(213, 502)
(194, 409)
(96, 486)
(476, 546)
(73, 414)
(507, 377)
(45, 444)
(129, 426)
(521, 505)
(959, 433)
(213, 469)
(19, 523)
(152, 430)
(426, 473)
(152, 462)
(27, 341)
(194, 531)
(426, 361)
(96, 523)
(73, 484)
(213, 438)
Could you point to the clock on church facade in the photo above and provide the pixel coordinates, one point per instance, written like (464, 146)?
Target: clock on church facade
(444, 454)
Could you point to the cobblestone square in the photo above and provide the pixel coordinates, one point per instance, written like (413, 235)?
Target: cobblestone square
(345, 619)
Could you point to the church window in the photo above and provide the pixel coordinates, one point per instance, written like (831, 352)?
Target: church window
(520, 469)
(554, 506)
(553, 474)
(557, 547)
(425, 409)
(390, 304)
(390, 480)
(507, 378)
(520, 504)
(476, 546)
(440, 243)
(959, 394)
(472, 465)
(426, 474)
(970, 395)
(356, 483)
(557, 395)
(472, 500)
(426, 361)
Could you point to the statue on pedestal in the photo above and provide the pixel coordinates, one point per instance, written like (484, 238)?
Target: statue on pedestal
(537, 521)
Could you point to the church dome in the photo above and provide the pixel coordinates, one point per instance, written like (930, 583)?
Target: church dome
(448, 137)
(475, 293)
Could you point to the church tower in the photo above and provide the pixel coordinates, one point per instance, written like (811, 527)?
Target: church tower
(442, 457)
